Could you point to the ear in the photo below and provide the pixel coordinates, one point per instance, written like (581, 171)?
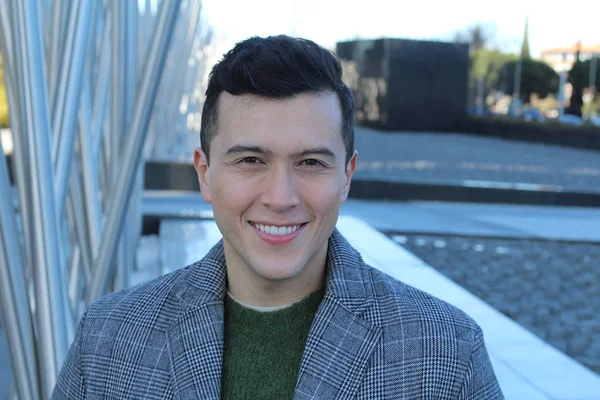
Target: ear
(201, 166)
(350, 168)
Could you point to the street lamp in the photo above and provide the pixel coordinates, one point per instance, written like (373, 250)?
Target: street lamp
(593, 66)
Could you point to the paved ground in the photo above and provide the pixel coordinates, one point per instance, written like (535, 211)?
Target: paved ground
(5, 368)
(549, 287)
(572, 224)
(444, 157)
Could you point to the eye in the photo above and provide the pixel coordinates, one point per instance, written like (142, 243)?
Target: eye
(311, 162)
(250, 160)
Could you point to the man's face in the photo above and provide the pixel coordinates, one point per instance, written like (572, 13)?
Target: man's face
(276, 180)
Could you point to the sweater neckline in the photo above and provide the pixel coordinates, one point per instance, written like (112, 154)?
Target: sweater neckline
(270, 309)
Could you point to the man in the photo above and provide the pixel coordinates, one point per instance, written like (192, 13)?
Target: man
(283, 307)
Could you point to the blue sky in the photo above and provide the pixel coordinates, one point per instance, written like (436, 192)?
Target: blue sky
(551, 24)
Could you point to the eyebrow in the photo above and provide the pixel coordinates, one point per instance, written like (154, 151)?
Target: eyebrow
(324, 151)
(239, 149)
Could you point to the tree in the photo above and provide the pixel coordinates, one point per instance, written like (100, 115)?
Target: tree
(477, 36)
(579, 78)
(487, 64)
(525, 53)
(536, 77)
(484, 62)
(579, 75)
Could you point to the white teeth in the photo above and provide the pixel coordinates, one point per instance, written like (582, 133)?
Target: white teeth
(277, 230)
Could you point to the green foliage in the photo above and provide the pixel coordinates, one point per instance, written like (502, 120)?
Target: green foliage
(487, 64)
(579, 75)
(536, 77)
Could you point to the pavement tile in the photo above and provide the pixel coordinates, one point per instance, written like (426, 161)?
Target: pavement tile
(515, 386)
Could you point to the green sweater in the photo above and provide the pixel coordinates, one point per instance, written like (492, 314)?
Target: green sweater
(263, 350)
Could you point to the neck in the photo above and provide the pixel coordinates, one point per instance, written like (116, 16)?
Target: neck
(252, 289)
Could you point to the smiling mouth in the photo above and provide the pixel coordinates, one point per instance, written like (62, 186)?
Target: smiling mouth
(277, 230)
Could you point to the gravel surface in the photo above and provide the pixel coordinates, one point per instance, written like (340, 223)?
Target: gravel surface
(551, 288)
(452, 157)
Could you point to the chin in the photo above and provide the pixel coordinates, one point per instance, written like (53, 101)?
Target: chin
(277, 270)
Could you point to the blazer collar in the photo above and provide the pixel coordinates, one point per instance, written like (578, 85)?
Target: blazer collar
(348, 281)
(338, 347)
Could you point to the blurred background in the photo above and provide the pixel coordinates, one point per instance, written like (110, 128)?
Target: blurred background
(478, 131)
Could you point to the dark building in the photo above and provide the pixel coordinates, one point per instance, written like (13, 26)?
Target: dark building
(403, 84)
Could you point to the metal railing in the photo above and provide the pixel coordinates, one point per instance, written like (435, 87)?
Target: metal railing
(84, 79)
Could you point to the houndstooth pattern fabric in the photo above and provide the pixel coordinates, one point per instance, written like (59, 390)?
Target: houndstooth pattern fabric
(372, 338)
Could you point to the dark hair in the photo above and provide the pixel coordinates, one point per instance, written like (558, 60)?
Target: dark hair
(276, 67)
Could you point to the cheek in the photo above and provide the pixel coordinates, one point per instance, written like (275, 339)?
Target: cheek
(322, 195)
(232, 192)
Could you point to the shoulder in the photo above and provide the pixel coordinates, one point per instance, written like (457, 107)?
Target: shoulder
(136, 305)
(419, 313)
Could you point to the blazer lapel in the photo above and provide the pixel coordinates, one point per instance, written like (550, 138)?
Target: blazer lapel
(336, 353)
(341, 339)
(195, 339)
(196, 347)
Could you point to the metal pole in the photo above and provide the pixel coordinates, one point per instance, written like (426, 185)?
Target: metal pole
(76, 214)
(180, 78)
(117, 85)
(100, 103)
(6, 40)
(516, 89)
(517, 83)
(56, 39)
(47, 272)
(149, 20)
(75, 280)
(66, 117)
(122, 95)
(20, 158)
(63, 265)
(89, 166)
(480, 94)
(46, 10)
(13, 295)
(59, 86)
(131, 72)
(593, 64)
(129, 240)
(561, 93)
(133, 145)
(171, 97)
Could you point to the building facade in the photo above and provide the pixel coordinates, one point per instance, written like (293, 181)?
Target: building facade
(562, 58)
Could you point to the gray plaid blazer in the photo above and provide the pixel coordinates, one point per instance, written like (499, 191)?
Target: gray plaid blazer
(372, 338)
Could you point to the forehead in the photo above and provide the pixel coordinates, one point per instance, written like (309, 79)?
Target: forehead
(305, 119)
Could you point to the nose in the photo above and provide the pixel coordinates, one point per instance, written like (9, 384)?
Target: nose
(280, 192)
